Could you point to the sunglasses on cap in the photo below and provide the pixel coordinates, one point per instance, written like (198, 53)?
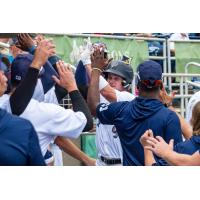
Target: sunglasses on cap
(150, 84)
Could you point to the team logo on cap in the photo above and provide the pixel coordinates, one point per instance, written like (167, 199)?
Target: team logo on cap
(19, 78)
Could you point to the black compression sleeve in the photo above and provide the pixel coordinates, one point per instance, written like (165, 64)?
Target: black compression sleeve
(83, 90)
(79, 104)
(60, 92)
(24, 92)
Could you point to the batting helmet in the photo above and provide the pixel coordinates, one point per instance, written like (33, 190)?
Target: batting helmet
(123, 70)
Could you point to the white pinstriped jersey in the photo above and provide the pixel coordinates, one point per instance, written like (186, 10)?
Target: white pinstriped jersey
(50, 120)
(192, 102)
(107, 139)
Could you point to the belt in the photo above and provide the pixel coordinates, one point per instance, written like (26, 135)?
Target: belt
(111, 161)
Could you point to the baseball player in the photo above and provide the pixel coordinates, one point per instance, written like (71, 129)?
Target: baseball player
(19, 145)
(119, 77)
(52, 95)
(51, 120)
(132, 118)
(192, 102)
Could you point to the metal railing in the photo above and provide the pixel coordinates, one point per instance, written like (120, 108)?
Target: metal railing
(163, 41)
(170, 58)
(183, 88)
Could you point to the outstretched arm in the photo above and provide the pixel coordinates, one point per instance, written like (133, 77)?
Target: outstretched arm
(26, 43)
(99, 62)
(165, 151)
(67, 81)
(70, 148)
(24, 92)
(105, 89)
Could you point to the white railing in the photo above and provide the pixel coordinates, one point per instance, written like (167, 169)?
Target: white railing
(183, 88)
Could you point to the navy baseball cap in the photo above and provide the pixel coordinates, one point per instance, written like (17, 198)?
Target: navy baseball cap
(19, 67)
(150, 70)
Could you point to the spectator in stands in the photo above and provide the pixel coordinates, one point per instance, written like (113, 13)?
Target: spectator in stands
(176, 36)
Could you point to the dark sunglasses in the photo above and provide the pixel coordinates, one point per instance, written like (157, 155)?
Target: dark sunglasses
(155, 83)
(150, 84)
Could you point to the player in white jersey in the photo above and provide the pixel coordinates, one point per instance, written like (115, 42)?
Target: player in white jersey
(192, 102)
(119, 77)
(51, 120)
(46, 92)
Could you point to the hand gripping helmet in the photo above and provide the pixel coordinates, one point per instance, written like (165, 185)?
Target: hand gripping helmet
(123, 70)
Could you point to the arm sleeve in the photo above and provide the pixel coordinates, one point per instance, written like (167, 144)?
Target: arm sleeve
(24, 92)
(35, 154)
(79, 104)
(60, 92)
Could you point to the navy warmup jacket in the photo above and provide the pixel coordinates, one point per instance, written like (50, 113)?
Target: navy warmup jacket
(133, 118)
(19, 144)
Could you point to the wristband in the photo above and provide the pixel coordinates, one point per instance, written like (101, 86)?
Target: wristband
(31, 50)
(97, 69)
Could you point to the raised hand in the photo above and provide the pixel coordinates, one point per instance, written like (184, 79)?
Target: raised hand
(44, 49)
(165, 98)
(99, 60)
(25, 42)
(66, 75)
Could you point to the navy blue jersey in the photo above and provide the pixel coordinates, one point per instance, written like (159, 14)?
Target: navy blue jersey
(19, 144)
(132, 119)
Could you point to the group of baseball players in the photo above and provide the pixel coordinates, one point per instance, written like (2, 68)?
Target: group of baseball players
(130, 130)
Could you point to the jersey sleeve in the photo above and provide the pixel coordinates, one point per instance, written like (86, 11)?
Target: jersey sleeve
(51, 119)
(108, 113)
(173, 129)
(124, 96)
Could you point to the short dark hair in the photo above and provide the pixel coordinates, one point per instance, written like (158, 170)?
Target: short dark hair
(144, 88)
